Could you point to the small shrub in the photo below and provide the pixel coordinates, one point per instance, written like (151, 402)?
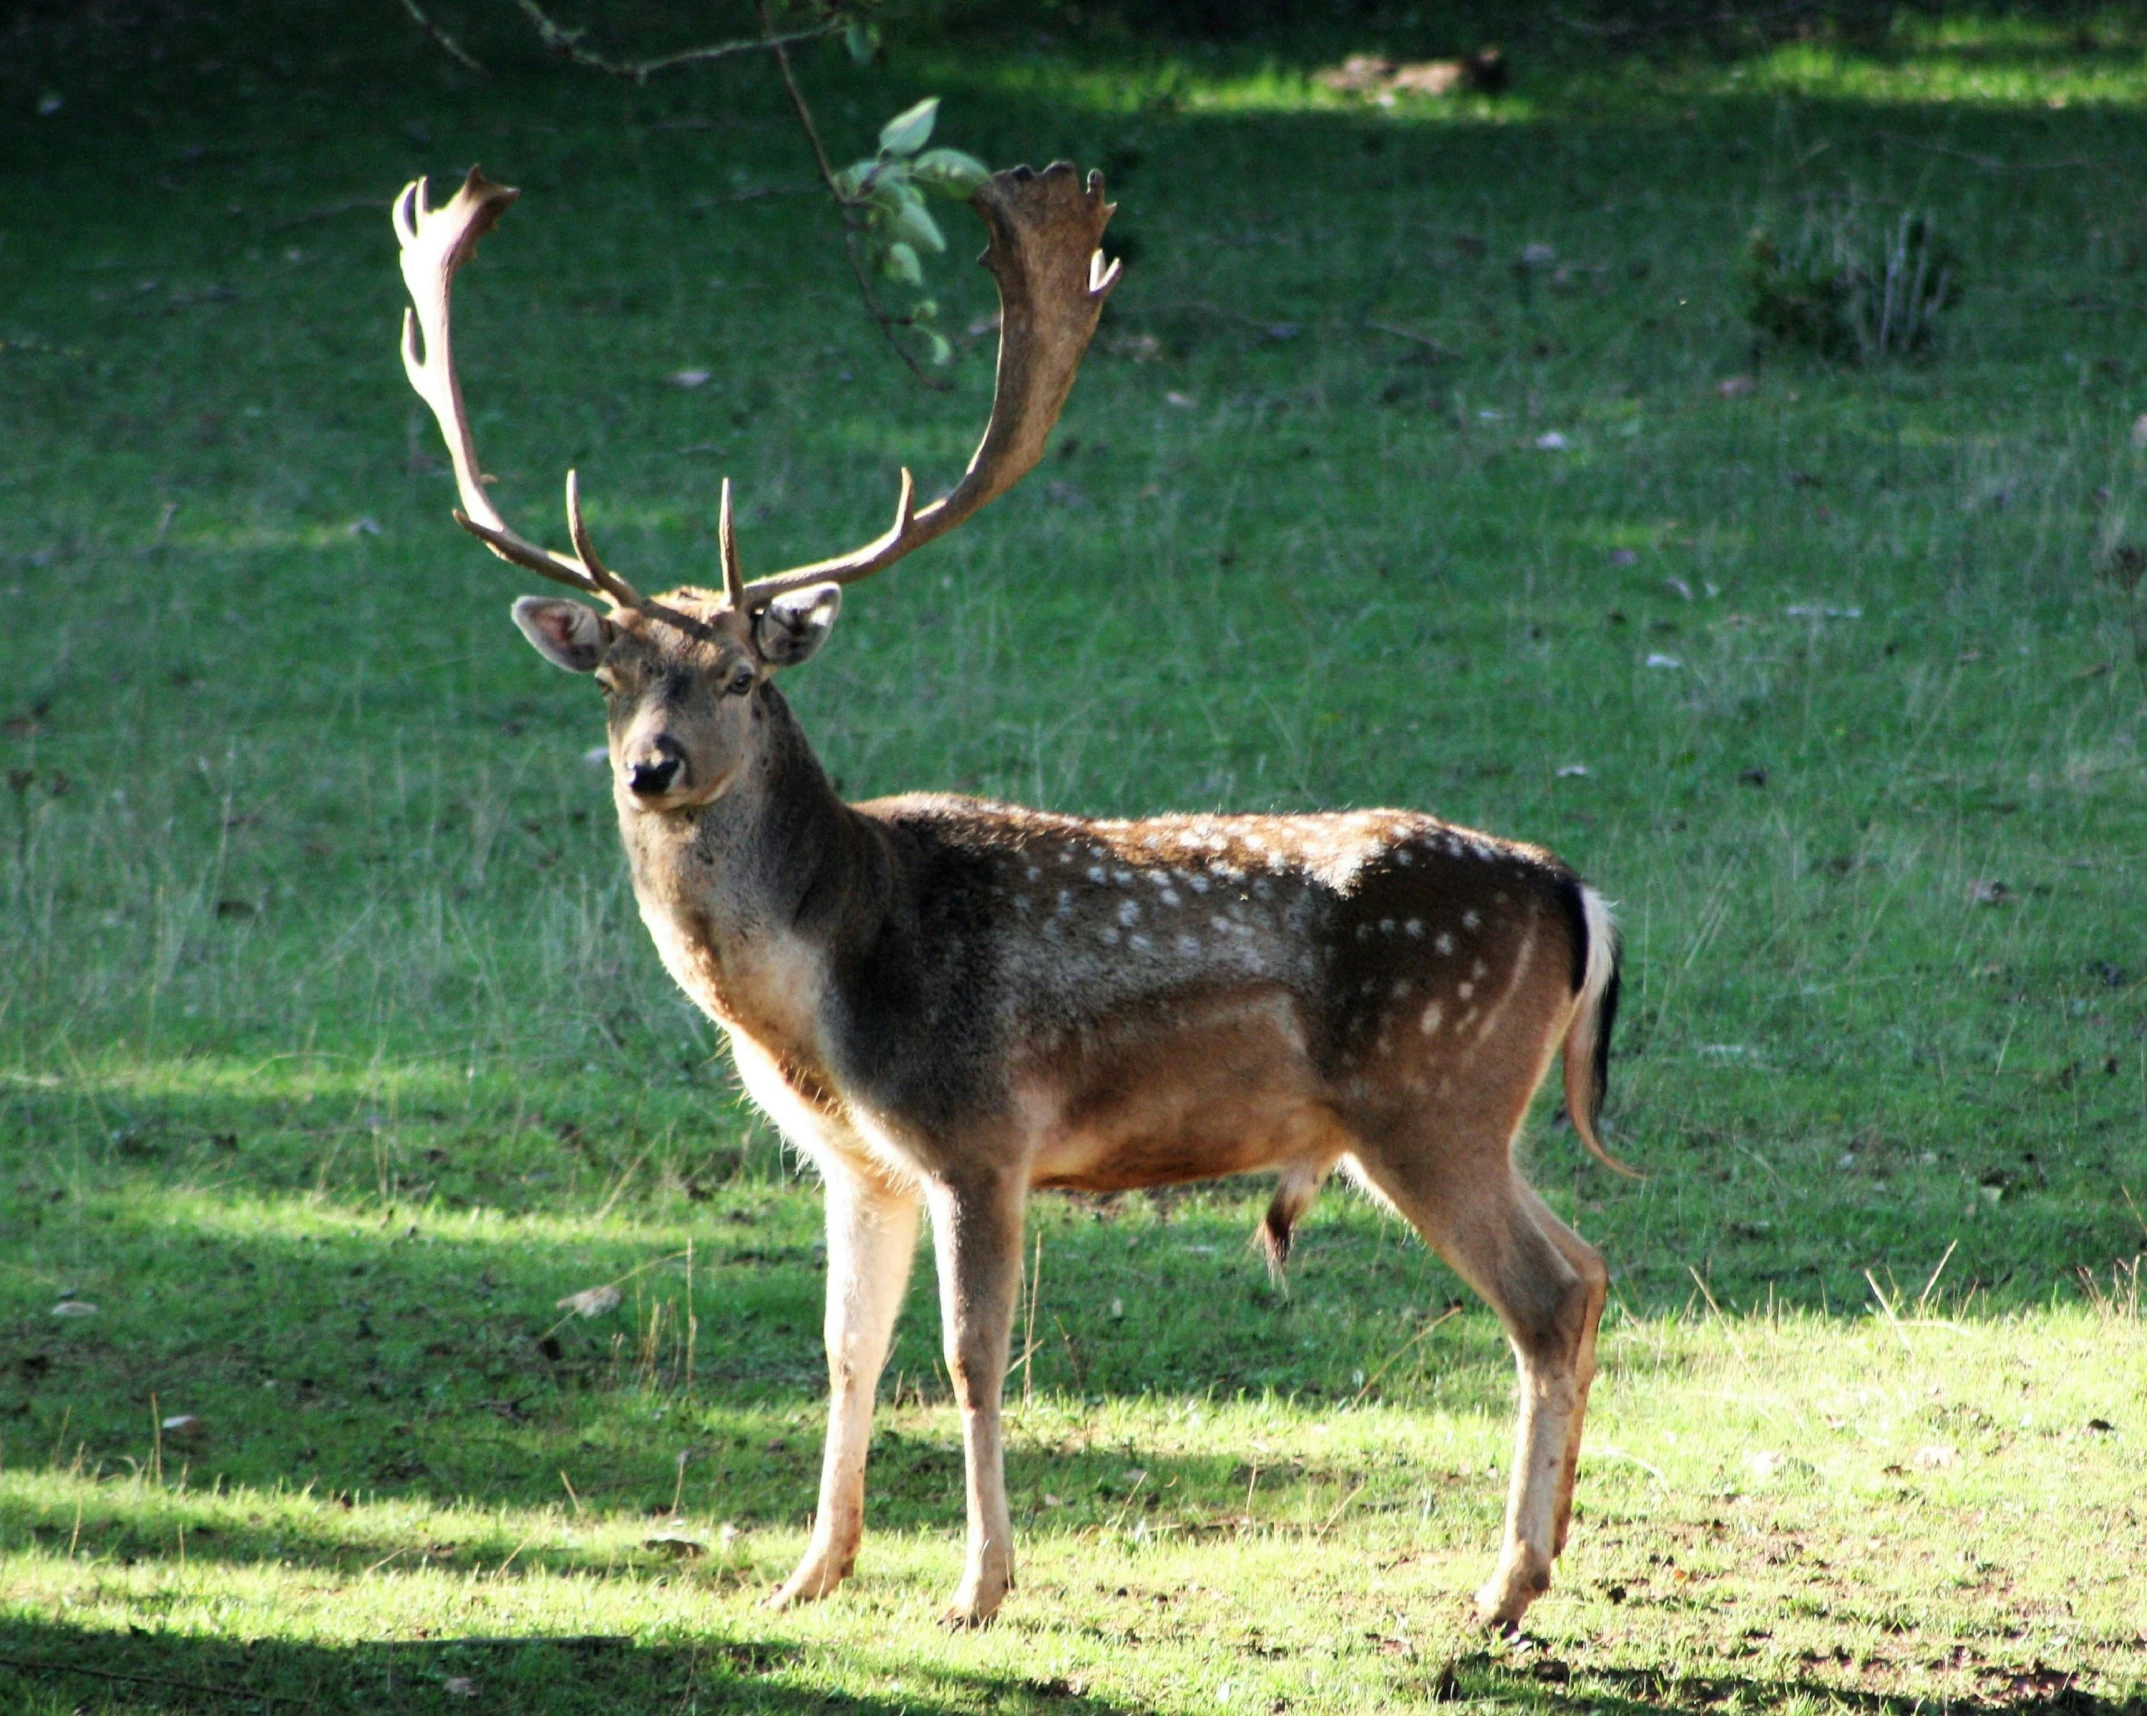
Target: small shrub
(1850, 291)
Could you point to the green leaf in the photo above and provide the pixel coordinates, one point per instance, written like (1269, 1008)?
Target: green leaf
(910, 223)
(950, 172)
(887, 187)
(849, 179)
(910, 129)
(936, 347)
(900, 263)
(862, 40)
(927, 310)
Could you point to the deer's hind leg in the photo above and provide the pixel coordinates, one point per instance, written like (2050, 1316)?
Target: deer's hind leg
(1453, 1179)
(872, 1237)
(1588, 1263)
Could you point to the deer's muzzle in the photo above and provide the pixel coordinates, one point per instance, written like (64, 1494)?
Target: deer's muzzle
(656, 770)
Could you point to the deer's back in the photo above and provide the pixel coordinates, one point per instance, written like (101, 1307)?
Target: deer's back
(1139, 977)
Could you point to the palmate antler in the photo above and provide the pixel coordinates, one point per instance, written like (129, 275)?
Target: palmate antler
(436, 242)
(1052, 282)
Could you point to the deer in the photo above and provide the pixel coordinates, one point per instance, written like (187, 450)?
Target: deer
(947, 1003)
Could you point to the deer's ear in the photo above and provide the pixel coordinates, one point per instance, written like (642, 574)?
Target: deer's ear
(791, 627)
(566, 634)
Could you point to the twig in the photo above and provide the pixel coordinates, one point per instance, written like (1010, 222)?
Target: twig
(452, 48)
(1327, 1524)
(1440, 347)
(567, 43)
(1371, 1382)
(886, 321)
(1923, 1299)
(1028, 1336)
(2129, 1204)
(1729, 1333)
(1610, 1451)
(231, 1692)
(1886, 1305)
(619, 1280)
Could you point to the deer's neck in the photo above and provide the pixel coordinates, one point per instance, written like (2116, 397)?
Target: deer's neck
(747, 896)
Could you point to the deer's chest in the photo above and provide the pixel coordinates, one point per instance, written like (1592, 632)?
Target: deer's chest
(767, 990)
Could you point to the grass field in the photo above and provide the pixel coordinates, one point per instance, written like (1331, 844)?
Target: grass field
(332, 1054)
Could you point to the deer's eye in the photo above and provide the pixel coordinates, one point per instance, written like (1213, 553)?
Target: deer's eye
(740, 681)
(607, 682)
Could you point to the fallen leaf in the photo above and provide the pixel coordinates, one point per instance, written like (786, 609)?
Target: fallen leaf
(181, 1425)
(1624, 557)
(1936, 1457)
(688, 377)
(1736, 387)
(1552, 442)
(460, 1686)
(1988, 893)
(1573, 771)
(1664, 661)
(74, 1308)
(1181, 401)
(592, 1301)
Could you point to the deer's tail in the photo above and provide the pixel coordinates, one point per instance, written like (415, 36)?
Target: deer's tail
(1595, 1011)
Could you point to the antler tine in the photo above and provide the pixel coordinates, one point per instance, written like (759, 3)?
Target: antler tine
(727, 542)
(1052, 283)
(621, 593)
(436, 242)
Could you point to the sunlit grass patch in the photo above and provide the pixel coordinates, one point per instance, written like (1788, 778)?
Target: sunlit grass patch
(1965, 72)
(1762, 1489)
(335, 1057)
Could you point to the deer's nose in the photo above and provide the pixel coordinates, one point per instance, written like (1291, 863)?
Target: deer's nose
(652, 776)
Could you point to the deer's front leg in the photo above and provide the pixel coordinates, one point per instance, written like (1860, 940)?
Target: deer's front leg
(976, 1234)
(871, 1237)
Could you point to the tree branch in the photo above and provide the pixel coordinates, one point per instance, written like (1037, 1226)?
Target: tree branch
(567, 43)
(884, 319)
(452, 48)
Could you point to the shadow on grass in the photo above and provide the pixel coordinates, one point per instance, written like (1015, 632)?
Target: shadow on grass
(55, 1668)
(68, 1669)
(1554, 1685)
(915, 1485)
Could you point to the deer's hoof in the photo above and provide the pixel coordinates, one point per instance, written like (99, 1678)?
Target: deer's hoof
(974, 1604)
(813, 1580)
(1521, 1578)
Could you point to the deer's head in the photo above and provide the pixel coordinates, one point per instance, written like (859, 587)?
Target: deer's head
(683, 674)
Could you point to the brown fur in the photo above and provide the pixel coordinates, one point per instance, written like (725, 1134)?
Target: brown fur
(950, 1002)
(947, 1003)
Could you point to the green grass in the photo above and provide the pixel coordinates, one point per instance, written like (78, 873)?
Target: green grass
(332, 1054)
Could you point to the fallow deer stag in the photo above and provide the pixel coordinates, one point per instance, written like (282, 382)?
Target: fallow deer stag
(947, 1003)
